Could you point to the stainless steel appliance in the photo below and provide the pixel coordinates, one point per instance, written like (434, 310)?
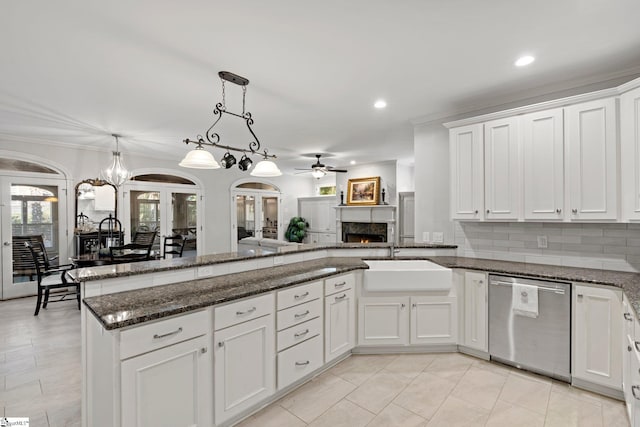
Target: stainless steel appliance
(539, 343)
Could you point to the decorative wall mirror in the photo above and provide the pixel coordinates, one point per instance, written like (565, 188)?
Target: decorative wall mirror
(95, 200)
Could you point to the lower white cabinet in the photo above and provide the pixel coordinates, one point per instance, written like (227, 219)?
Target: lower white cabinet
(244, 366)
(597, 336)
(298, 361)
(476, 320)
(407, 320)
(340, 323)
(169, 386)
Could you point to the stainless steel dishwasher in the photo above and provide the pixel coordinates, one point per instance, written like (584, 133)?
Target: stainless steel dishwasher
(540, 343)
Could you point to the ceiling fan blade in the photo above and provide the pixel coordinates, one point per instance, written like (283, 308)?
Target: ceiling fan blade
(330, 169)
(303, 169)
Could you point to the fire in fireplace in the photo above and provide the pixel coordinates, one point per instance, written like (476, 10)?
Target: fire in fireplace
(364, 232)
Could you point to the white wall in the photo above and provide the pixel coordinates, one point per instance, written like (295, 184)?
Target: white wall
(405, 180)
(431, 150)
(216, 184)
(385, 170)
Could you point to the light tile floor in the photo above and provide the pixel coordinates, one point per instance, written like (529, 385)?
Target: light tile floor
(41, 379)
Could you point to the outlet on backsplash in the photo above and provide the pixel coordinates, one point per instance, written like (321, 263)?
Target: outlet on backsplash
(438, 237)
(542, 242)
(425, 236)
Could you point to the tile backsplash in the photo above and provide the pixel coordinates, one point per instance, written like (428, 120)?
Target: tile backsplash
(603, 246)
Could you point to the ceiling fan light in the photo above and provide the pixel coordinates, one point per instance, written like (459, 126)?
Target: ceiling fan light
(266, 168)
(318, 173)
(199, 158)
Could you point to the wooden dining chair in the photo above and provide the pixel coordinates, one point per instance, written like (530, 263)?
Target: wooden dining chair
(174, 245)
(51, 277)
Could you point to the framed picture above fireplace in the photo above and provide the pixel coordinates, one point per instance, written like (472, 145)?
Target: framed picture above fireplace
(363, 191)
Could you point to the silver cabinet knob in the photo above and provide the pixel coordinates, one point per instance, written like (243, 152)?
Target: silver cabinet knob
(9, 244)
(574, 211)
(558, 211)
(488, 210)
(628, 317)
(476, 211)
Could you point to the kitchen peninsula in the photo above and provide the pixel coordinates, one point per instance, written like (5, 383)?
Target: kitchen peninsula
(232, 333)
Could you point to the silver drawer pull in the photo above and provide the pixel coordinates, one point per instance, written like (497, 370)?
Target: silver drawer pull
(240, 313)
(339, 285)
(157, 337)
(637, 344)
(299, 315)
(343, 296)
(634, 389)
(306, 294)
(305, 363)
(628, 317)
(301, 334)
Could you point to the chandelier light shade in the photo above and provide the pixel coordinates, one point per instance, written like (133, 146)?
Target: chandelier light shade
(199, 160)
(116, 173)
(266, 168)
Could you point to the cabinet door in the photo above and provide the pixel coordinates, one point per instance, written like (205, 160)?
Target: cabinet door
(467, 172)
(543, 164)
(434, 320)
(244, 366)
(475, 311)
(340, 324)
(630, 154)
(170, 386)
(327, 215)
(597, 351)
(502, 169)
(628, 353)
(591, 162)
(327, 238)
(383, 321)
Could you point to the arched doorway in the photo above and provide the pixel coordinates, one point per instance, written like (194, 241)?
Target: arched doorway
(33, 206)
(255, 211)
(166, 202)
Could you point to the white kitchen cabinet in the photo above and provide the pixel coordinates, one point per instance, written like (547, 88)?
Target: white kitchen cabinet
(591, 165)
(244, 366)
(340, 316)
(629, 353)
(319, 212)
(383, 321)
(630, 154)
(502, 169)
(475, 311)
(434, 320)
(169, 386)
(466, 150)
(543, 164)
(597, 336)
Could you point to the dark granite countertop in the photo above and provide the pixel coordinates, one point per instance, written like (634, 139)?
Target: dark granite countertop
(628, 282)
(88, 274)
(128, 308)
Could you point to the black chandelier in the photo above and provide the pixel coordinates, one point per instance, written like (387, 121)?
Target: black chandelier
(199, 158)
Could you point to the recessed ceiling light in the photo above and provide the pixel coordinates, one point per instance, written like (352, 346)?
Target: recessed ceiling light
(380, 103)
(352, 162)
(524, 60)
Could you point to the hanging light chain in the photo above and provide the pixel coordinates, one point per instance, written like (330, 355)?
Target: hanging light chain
(224, 101)
(244, 95)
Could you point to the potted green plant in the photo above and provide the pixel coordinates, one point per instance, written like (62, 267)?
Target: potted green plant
(297, 229)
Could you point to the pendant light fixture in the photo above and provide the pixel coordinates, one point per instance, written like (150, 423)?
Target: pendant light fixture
(116, 174)
(201, 159)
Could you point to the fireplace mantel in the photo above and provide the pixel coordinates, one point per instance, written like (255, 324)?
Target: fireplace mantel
(367, 214)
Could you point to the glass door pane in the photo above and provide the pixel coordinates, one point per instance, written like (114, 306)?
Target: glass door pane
(184, 220)
(269, 217)
(145, 214)
(32, 212)
(246, 216)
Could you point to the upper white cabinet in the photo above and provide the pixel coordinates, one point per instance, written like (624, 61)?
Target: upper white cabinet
(543, 164)
(467, 172)
(630, 154)
(591, 160)
(501, 169)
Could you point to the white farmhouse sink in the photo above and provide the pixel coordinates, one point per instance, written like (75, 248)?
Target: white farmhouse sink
(403, 276)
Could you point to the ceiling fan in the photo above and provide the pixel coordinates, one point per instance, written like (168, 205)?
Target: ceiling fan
(318, 170)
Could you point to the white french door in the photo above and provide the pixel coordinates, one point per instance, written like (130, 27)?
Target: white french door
(167, 208)
(30, 205)
(255, 213)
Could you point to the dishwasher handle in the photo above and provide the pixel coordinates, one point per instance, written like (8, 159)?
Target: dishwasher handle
(559, 291)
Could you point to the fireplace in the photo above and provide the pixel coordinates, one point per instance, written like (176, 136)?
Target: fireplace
(364, 232)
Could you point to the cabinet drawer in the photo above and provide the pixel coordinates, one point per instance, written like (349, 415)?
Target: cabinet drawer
(152, 336)
(299, 361)
(298, 295)
(299, 333)
(339, 284)
(298, 314)
(241, 311)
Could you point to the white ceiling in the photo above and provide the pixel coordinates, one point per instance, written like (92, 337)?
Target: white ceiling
(73, 72)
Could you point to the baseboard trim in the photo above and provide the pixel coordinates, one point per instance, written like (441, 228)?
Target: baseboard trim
(474, 352)
(597, 388)
(431, 348)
